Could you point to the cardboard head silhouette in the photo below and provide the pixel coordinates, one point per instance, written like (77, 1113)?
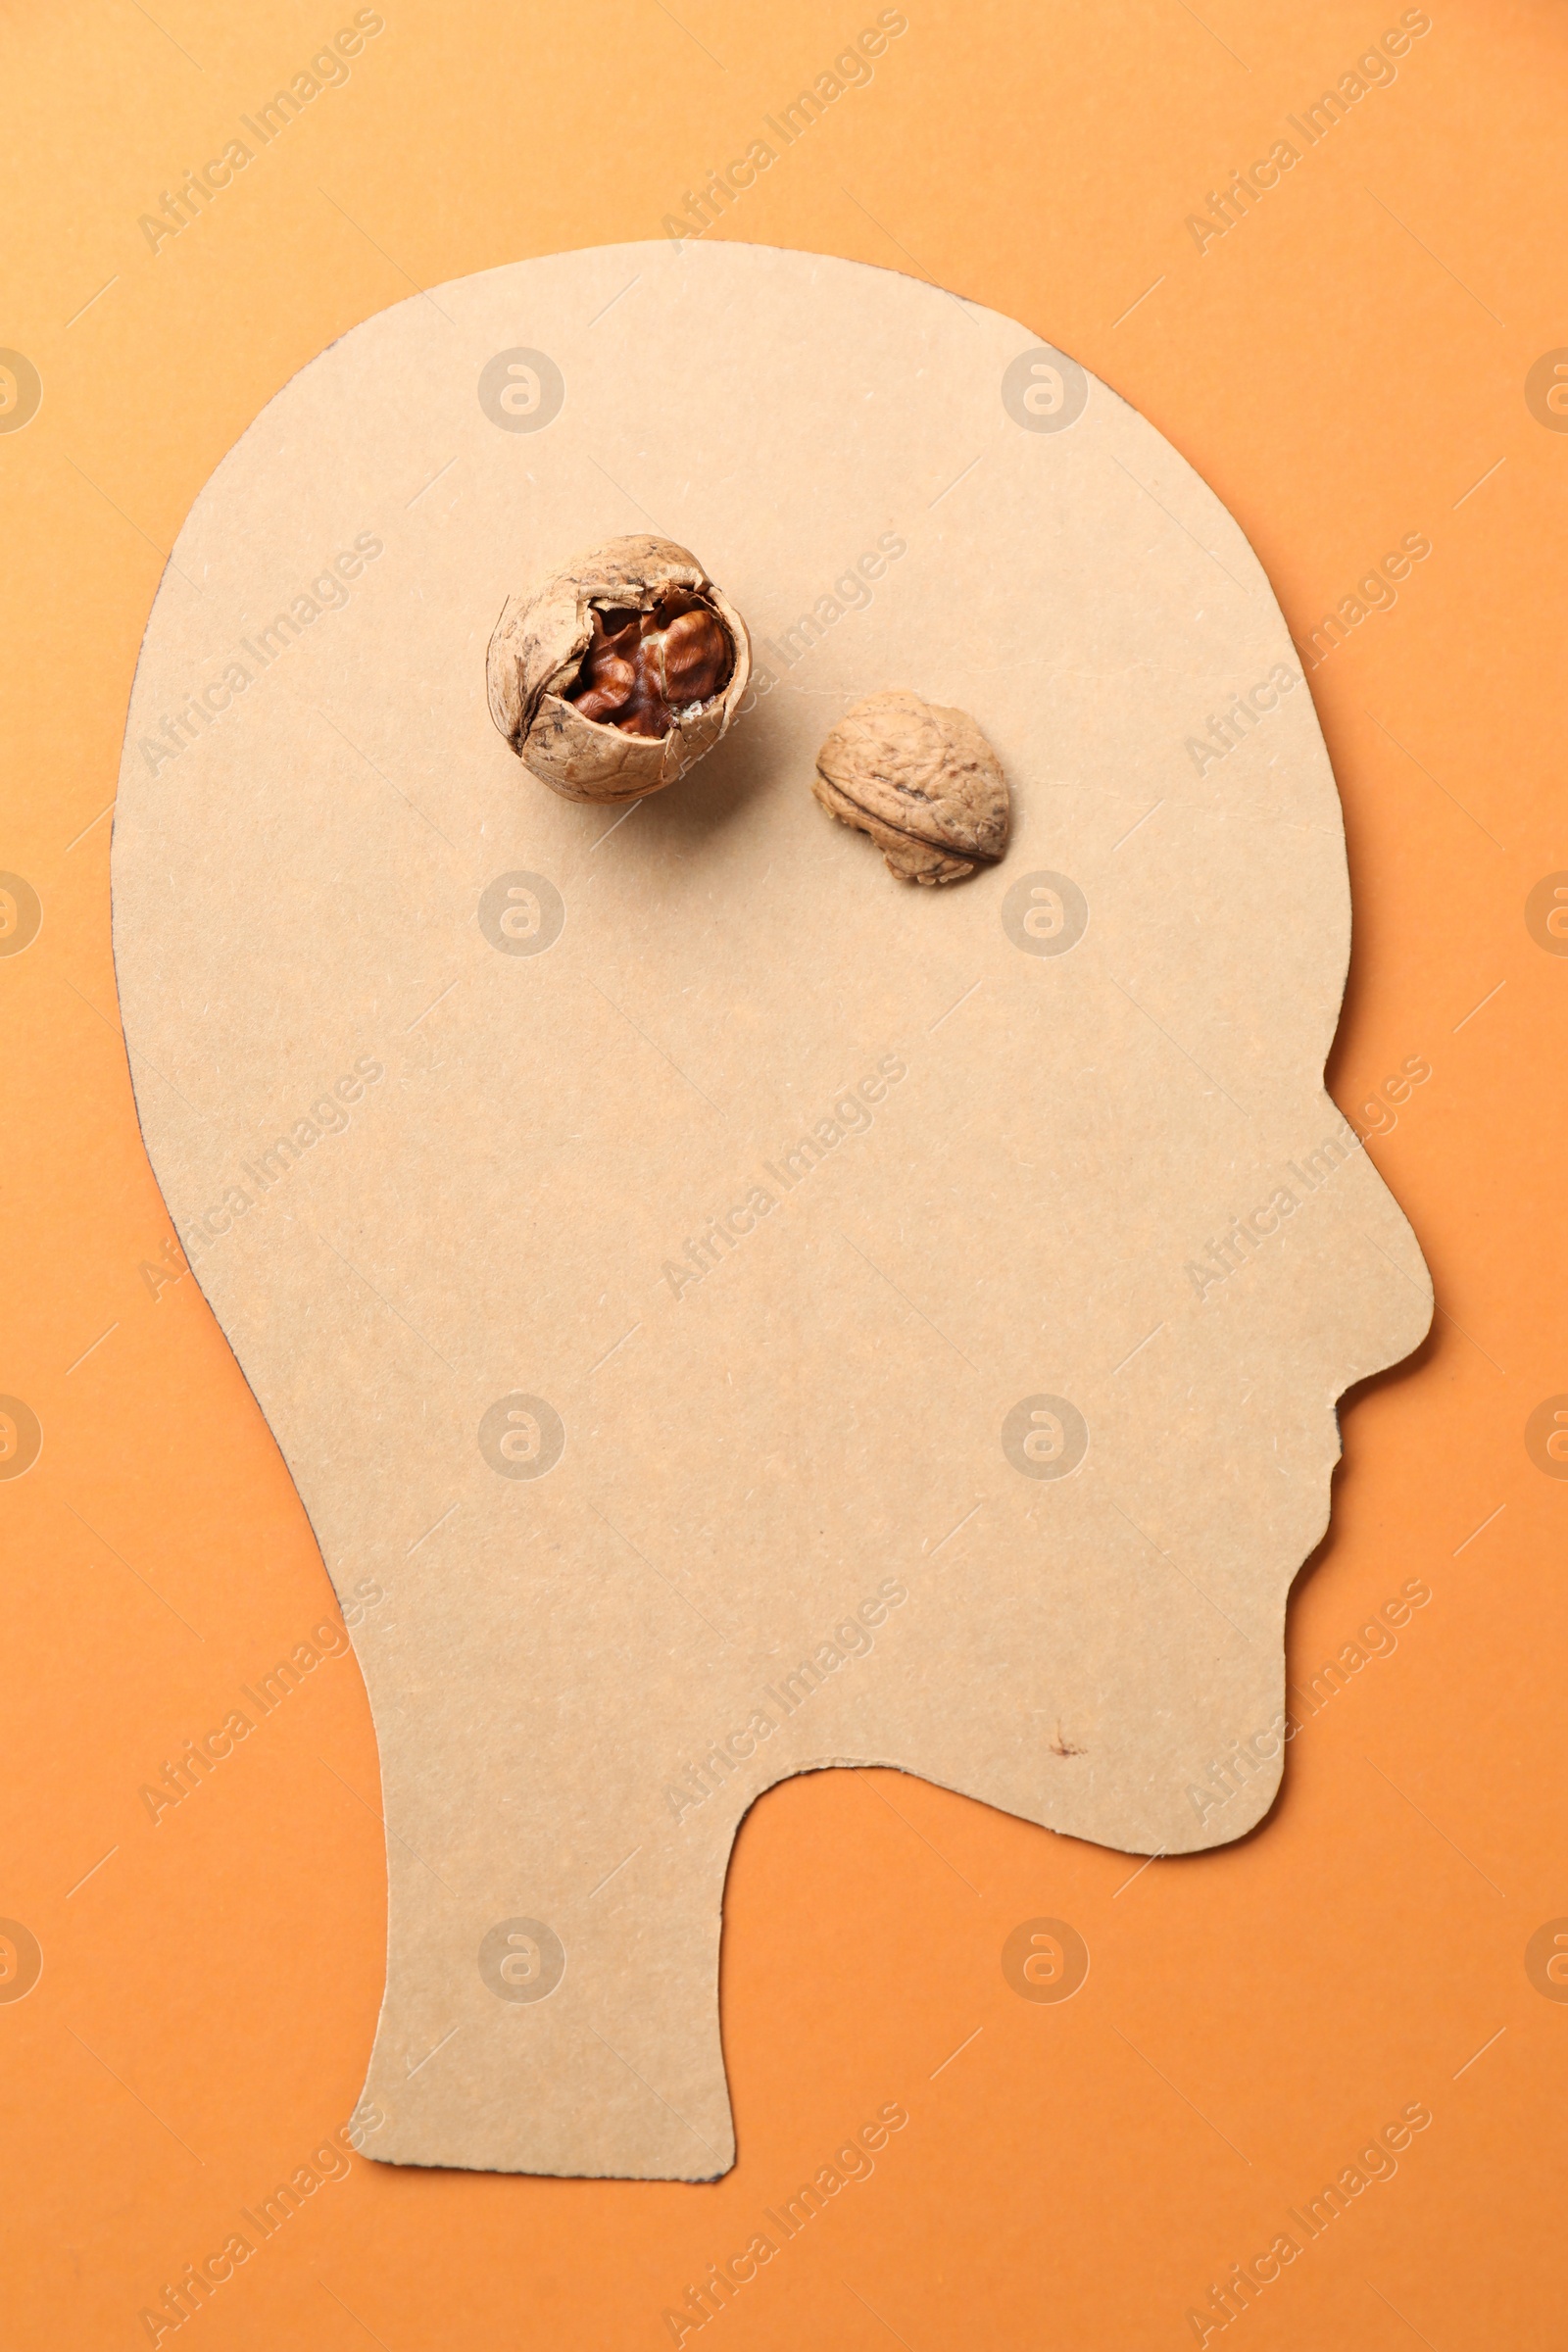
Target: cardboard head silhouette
(743, 1313)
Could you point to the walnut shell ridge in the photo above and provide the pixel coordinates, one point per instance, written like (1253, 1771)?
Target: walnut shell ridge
(922, 781)
(537, 649)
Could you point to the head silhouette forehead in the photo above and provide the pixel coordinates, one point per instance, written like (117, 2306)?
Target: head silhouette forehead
(751, 1313)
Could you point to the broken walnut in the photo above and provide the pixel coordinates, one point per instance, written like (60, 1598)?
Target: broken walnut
(613, 677)
(922, 781)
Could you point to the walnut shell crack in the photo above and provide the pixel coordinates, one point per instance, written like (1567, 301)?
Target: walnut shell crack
(613, 678)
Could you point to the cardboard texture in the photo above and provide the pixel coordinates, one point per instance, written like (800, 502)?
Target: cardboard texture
(750, 1315)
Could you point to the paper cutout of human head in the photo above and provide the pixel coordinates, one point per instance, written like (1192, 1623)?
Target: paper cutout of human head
(739, 1313)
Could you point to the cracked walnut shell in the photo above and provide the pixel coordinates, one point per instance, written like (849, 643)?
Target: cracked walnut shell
(615, 677)
(922, 781)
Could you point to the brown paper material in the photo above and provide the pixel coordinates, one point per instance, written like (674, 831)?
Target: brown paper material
(748, 1314)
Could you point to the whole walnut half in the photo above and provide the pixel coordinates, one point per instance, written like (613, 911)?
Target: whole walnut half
(615, 675)
(922, 781)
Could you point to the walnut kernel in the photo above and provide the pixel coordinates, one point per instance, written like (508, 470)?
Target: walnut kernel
(615, 677)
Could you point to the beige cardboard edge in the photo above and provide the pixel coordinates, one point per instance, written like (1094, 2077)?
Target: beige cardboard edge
(727, 1313)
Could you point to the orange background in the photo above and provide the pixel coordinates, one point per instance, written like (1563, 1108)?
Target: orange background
(1345, 367)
